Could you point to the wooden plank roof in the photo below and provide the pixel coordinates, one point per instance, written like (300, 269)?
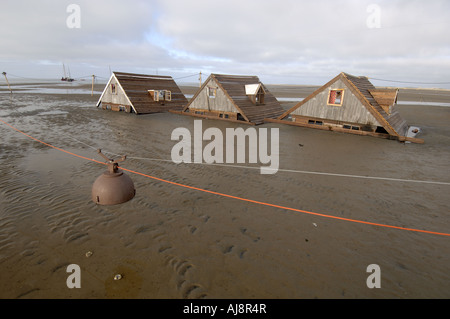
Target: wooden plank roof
(234, 87)
(393, 123)
(386, 98)
(361, 87)
(136, 88)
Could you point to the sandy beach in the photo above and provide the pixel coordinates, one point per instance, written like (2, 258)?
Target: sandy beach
(173, 242)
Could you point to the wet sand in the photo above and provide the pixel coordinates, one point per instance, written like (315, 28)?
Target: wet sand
(172, 242)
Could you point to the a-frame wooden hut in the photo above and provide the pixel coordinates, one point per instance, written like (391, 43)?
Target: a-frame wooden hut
(141, 94)
(237, 98)
(350, 104)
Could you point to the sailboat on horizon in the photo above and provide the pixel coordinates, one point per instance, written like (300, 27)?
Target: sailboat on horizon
(65, 77)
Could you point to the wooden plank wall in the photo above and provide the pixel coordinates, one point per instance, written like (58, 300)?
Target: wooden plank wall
(351, 111)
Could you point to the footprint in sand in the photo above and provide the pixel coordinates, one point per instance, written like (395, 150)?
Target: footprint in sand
(251, 235)
(181, 268)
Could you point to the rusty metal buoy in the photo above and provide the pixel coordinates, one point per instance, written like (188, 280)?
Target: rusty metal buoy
(113, 186)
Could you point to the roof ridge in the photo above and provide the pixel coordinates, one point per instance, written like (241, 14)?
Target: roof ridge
(144, 76)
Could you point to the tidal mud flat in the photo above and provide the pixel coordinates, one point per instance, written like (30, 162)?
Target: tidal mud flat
(175, 242)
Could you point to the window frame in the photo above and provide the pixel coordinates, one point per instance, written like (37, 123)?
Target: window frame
(342, 97)
(157, 96)
(260, 96)
(211, 92)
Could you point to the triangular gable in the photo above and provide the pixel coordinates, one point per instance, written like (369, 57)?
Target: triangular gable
(310, 97)
(253, 89)
(252, 109)
(217, 83)
(360, 87)
(111, 78)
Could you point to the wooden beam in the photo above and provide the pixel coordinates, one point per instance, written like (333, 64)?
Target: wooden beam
(210, 117)
(411, 139)
(342, 130)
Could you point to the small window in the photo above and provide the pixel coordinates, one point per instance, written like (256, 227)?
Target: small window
(165, 95)
(212, 92)
(256, 93)
(160, 95)
(260, 97)
(351, 127)
(335, 97)
(315, 122)
(113, 88)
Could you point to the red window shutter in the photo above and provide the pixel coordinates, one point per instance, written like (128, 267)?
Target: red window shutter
(332, 99)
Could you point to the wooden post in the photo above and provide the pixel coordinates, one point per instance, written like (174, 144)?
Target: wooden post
(93, 78)
(4, 73)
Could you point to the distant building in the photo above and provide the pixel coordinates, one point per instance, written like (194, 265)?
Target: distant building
(350, 104)
(242, 99)
(141, 94)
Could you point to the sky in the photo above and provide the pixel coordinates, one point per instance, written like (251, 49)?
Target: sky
(402, 43)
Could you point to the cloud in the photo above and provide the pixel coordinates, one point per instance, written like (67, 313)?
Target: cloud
(269, 36)
(284, 40)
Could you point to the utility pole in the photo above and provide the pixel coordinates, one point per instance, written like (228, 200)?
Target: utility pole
(200, 79)
(93, 78)
(9, 87)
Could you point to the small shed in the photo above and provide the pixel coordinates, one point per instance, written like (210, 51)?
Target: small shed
(141, 94)
(237, 98)
(350, 104)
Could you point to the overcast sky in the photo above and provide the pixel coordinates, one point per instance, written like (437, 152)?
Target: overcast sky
(281, 41)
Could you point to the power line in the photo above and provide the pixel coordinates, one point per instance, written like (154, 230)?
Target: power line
(408, 81)
(272, 75)
(22, 77)
(188, 76)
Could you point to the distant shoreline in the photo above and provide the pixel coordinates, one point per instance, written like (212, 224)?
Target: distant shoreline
(282, 91)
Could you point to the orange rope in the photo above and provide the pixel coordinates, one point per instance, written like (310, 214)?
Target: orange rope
(235, 197)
